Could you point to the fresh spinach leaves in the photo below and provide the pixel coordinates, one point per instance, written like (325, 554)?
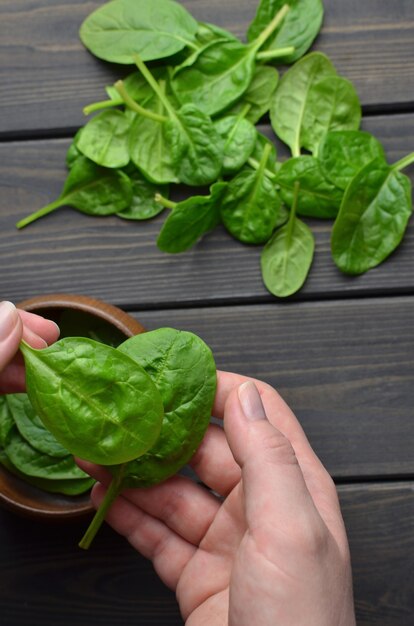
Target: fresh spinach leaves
(122, 28)
(189, 119)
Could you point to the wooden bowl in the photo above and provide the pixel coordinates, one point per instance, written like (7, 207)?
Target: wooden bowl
(17, 495)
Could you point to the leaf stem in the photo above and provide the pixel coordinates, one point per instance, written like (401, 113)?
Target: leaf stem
(275, 54)
(293, 210)
(153, 83)
(134, 106)
(255, 164)
(40, 213)
(112, 493)
(271, 27)
(404, 162)
(103, 104)
(168, 204)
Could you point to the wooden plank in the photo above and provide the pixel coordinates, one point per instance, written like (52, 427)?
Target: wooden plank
(345, 367)
(48, 76)
(45, 580)
(379, 519)
(118, 260)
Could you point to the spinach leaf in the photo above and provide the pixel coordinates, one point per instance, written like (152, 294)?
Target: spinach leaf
(287, 256)
(318, 196)
(143, 204)
(372, 219)
(6, 421)
(183, 368)
(32, 428)
(91, 189)
(104, 139)
(206, 36)
(122, 28)
(97, 402)
(299, 28)
(332, 104)
(67, 486)
(250, 207)
(148, 146)
(239, 139)
(31, 462)
(73, 153)
(258, 94)
(190, 219)
(196, 149)
(224, 69)
(343, 153)
(288, 108)
(256, 156)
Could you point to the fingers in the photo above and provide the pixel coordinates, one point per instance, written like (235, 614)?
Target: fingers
(280, 416)
(274, 484)
(169, 552)
(16, 325)
(183, 506)
(11, 329)
(38, 327)
(214, 463)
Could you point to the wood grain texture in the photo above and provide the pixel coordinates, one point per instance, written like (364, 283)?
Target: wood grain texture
(379, 520)
(346, 368)
(45, 580)
(118, 261)
(47, 75)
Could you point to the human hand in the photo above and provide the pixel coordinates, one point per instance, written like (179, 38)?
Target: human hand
(16, 325)
(273, 549)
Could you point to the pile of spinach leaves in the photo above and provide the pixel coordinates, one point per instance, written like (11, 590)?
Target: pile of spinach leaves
(30, 451)
(187, 115)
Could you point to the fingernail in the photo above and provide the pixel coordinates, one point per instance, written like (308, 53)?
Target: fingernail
(8, 319)
(251, 401)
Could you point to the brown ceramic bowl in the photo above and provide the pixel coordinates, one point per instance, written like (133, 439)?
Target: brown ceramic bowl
(75, 315)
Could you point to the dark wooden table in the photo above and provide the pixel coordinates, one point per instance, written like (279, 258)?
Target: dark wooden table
(340, 351)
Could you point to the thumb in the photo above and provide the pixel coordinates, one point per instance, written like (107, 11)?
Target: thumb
(274, 488)
(11, 329)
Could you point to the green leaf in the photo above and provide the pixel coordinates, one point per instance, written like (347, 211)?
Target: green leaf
(332, 104)
(73, 153)
(34, 463)
(6, 421)
(31, 427)
(239, 138)
(183, 368)
(258, 94)
(288, 108)
(299, 28)
(67, 486)
(196, 148)
(318, 196)
(149, 148)
(287, 257)
(343, 153)
(191, 219)
(224, 69)
(143, 205)
(250, 207)
(122, 28)
(97, 402)
(91, 189)
(104, 139)
(372, 219)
